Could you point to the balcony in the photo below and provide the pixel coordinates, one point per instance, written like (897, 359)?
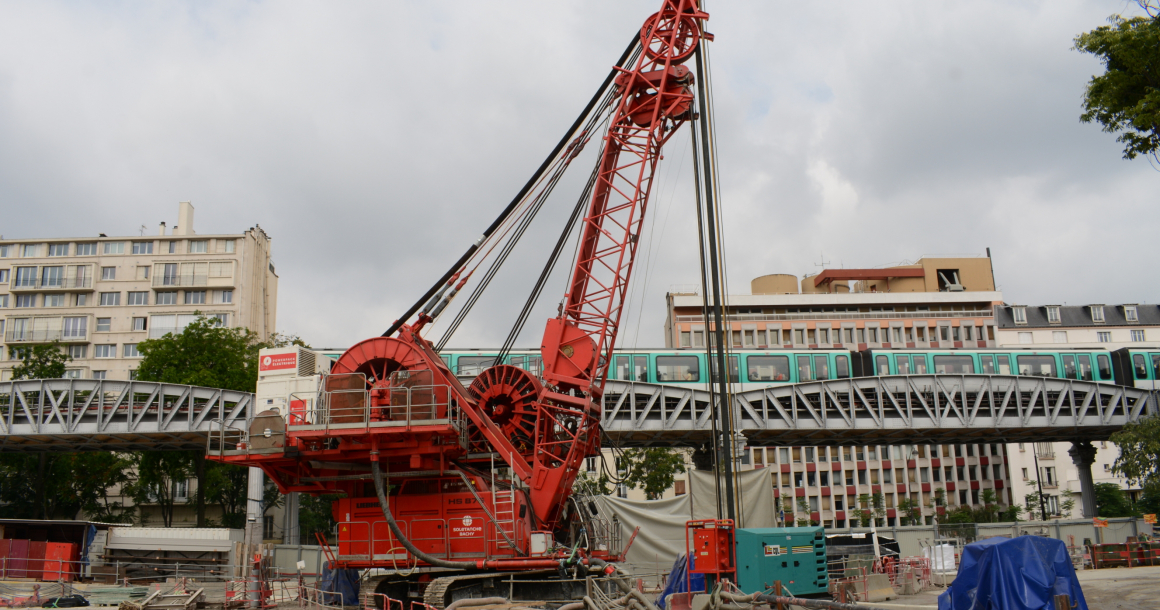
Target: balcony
(45, 336)
(847, 315)
(53, 284)
(179, 281)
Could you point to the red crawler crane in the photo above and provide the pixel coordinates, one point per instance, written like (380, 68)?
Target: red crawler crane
(396, 432)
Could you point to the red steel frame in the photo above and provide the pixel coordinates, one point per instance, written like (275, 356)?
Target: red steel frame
(655, 98)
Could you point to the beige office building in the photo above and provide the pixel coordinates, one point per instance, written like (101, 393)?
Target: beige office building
(101, 296)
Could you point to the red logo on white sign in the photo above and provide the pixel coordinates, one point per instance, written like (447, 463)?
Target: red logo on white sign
(274, 362)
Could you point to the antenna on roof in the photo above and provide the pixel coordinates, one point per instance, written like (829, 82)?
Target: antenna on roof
(142, 229)
(823, 262)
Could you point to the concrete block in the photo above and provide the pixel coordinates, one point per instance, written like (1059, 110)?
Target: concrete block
(878, 588)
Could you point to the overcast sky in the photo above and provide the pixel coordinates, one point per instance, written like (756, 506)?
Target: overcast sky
(374, 141)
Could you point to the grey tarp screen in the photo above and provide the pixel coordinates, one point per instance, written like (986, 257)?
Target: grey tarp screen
(662, 522)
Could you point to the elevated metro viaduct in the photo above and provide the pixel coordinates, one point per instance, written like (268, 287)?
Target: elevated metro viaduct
(92, 415)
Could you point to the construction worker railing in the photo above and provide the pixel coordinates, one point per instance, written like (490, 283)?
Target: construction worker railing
(347, 402)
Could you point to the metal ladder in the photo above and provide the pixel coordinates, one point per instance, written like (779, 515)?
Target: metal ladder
(503, 507)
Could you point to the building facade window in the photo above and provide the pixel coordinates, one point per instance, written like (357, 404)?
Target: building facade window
(105, 351)
(3, 276)
(110, 299)
(140, 324)
(54, 300)
(87, 249)
(1137, 335)
(1026, 338)
(166, 298)
(82, 300)
(100, 374)
(1097, 314)
(114, 247)
(1104, 337)
(197, 246)
(223, 319)
(30, 251)
(142, 247)
(78, 352)
(75, 328)
(1130, 313)
(194, 297)
(1053, 314)
(1059, 336)
(58, 249)
(26, 300)
(138, 298)
(104, 325)
(130, 351)
(108, 273)
(1020, 314)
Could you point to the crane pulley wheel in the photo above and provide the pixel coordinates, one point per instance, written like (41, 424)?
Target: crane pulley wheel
(658, 40)
(507, 395)
(377, 358)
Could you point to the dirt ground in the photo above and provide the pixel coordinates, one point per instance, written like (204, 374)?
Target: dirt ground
(1107, 589)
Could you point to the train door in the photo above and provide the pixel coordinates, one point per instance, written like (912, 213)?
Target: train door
(1077, 366)
(902, 364)
(812, 367)
(881, 365)
(919, 364)
(841, 366)
(1143, 369)
(734, 373)
(631, 368)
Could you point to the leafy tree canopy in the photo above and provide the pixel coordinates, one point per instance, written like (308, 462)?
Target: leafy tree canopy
(45, 361)
(1139, 459)
(1111, 501)
(68, 484)
(652, 469)
(204, 354)
(1125, 99)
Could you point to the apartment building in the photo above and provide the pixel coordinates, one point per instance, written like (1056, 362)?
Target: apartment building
(101, 296)
(1049, 466)
(935, 302)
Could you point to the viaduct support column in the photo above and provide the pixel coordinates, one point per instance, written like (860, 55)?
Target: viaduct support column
(253, 532)
(1083, 455)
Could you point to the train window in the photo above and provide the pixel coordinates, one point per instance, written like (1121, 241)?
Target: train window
(988, 363)
(805, 369)
(953, 365)
(473, 365)
(1084, 367)
(920, 365)
(678, 368)
(842, 366)
(632, 368)
(446, 360)
(1140, 365)
(1037, 366)
(531, 364)
(1156, 366)
(1003, 365)
(734, 370)
(768, 368)
(821, 367)
(1105, 365)
(902, 363)
(882, 365)
(1069, 367)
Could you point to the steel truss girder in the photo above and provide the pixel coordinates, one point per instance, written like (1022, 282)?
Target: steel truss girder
(869, 410)
(103, 415)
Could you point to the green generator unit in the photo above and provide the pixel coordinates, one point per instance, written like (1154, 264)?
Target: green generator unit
(794, 555)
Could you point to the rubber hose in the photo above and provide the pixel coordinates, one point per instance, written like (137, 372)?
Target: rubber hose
(591, 604)
(812, 603)
(572, 606)
(644, 601)
(475, 601)
(377, 475)
(740, 599)
(620, 582)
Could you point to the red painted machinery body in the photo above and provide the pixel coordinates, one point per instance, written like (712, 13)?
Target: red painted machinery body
(392, 399)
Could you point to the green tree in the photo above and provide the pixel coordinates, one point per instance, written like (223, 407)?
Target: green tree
(1126, 98)
(158, 473)
(652, 469)
(909, 511)
(803, 512)
(878, 508)
(1067, 505)
(315, 516)
(204, 354)
(45, 361)
(1111, 501)
(1034, 508)
(1012, 513)
(1139, 460)
(61, 485)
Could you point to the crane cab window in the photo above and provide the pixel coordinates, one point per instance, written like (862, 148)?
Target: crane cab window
(473, 365)
(954, 365)
(631, 368)
(1105, 364)
(881, 366)
(842, 367)
(1140, 365)
(812, 368)
(1037, 366)
(734, 370)
(902, 363)
(678, 368)
(768, 368)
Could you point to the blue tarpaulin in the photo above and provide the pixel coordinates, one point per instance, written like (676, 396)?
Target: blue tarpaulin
(340, 587)
(1023, 573)
(677, 583)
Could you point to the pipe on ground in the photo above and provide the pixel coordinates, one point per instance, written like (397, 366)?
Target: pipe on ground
(810, 603)
(475, 601)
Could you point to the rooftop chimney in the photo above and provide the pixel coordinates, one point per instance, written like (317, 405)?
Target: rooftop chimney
(161, 231)
(184, 224)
